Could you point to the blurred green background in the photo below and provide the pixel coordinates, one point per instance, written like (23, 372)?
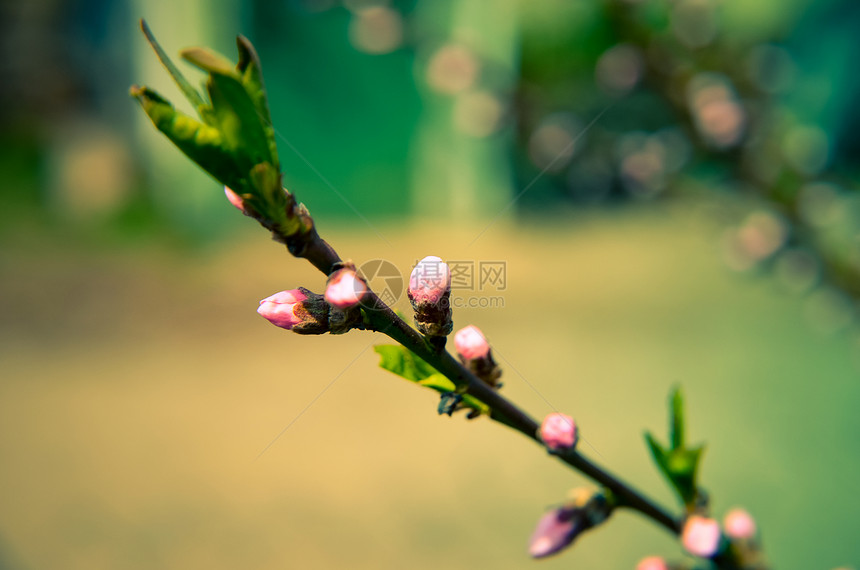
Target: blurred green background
(671, 185)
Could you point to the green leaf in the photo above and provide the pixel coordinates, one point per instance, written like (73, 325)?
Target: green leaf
(476, 404)
(659, 454)
(679, 464)
(684, 464)
(209, 61)
(405, 363)
(252, 78)
(269, 199)
(234, 112)
(234, 140)
(676, 420)
(190, 92)
(201, 143)
(438, 382)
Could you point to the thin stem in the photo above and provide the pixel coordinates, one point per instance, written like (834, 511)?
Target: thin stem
(315, 249)
(782, 193)
(627, 496)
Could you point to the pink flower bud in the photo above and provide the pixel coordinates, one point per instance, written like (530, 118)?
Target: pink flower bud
(559, 527)
(429, 281)
(652, 563)
(429, 292)
(298, 310)
(345, 289)
(739, 524)
(701, 536)
(279, 309)
(235, 199)
(558, 431)
(471, 344)
(474, 352)
(555, 530)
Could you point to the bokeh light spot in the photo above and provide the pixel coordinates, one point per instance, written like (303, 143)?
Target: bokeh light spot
(376, 30)
(452, 69)
(478, 113)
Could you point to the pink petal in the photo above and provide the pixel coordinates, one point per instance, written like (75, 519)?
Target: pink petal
(652, 563)
(701, 536)
(235, 199)
(558, 431)
(278, 309)
(430, 280)
(345, 289)
(739, 524)
(470, 343)
(555, 530)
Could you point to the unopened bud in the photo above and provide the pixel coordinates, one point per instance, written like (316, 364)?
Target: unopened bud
(345, 289)
(471, 344)
(234, 199)
(555, 530)
(739, 524)
(474, 352)
(701, 536)
(558, 528)
(652, 563)
(558, 432)
(298, 310)
(430, 281)
(429, 292)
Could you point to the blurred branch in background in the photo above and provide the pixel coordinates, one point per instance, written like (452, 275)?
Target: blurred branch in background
(711, 110)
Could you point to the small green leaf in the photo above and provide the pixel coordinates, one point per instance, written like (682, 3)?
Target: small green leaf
(252, 78)
(405, 363)
(679, 464)
(201, 143)
(190, 93)
(475, 404)
(271, 203)
(209, 61)
(270, 200)
(659, 454)
(439, 383)
(684, 466)
(266, 183)
(233, 110)
(676, 420)
(234, 141)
